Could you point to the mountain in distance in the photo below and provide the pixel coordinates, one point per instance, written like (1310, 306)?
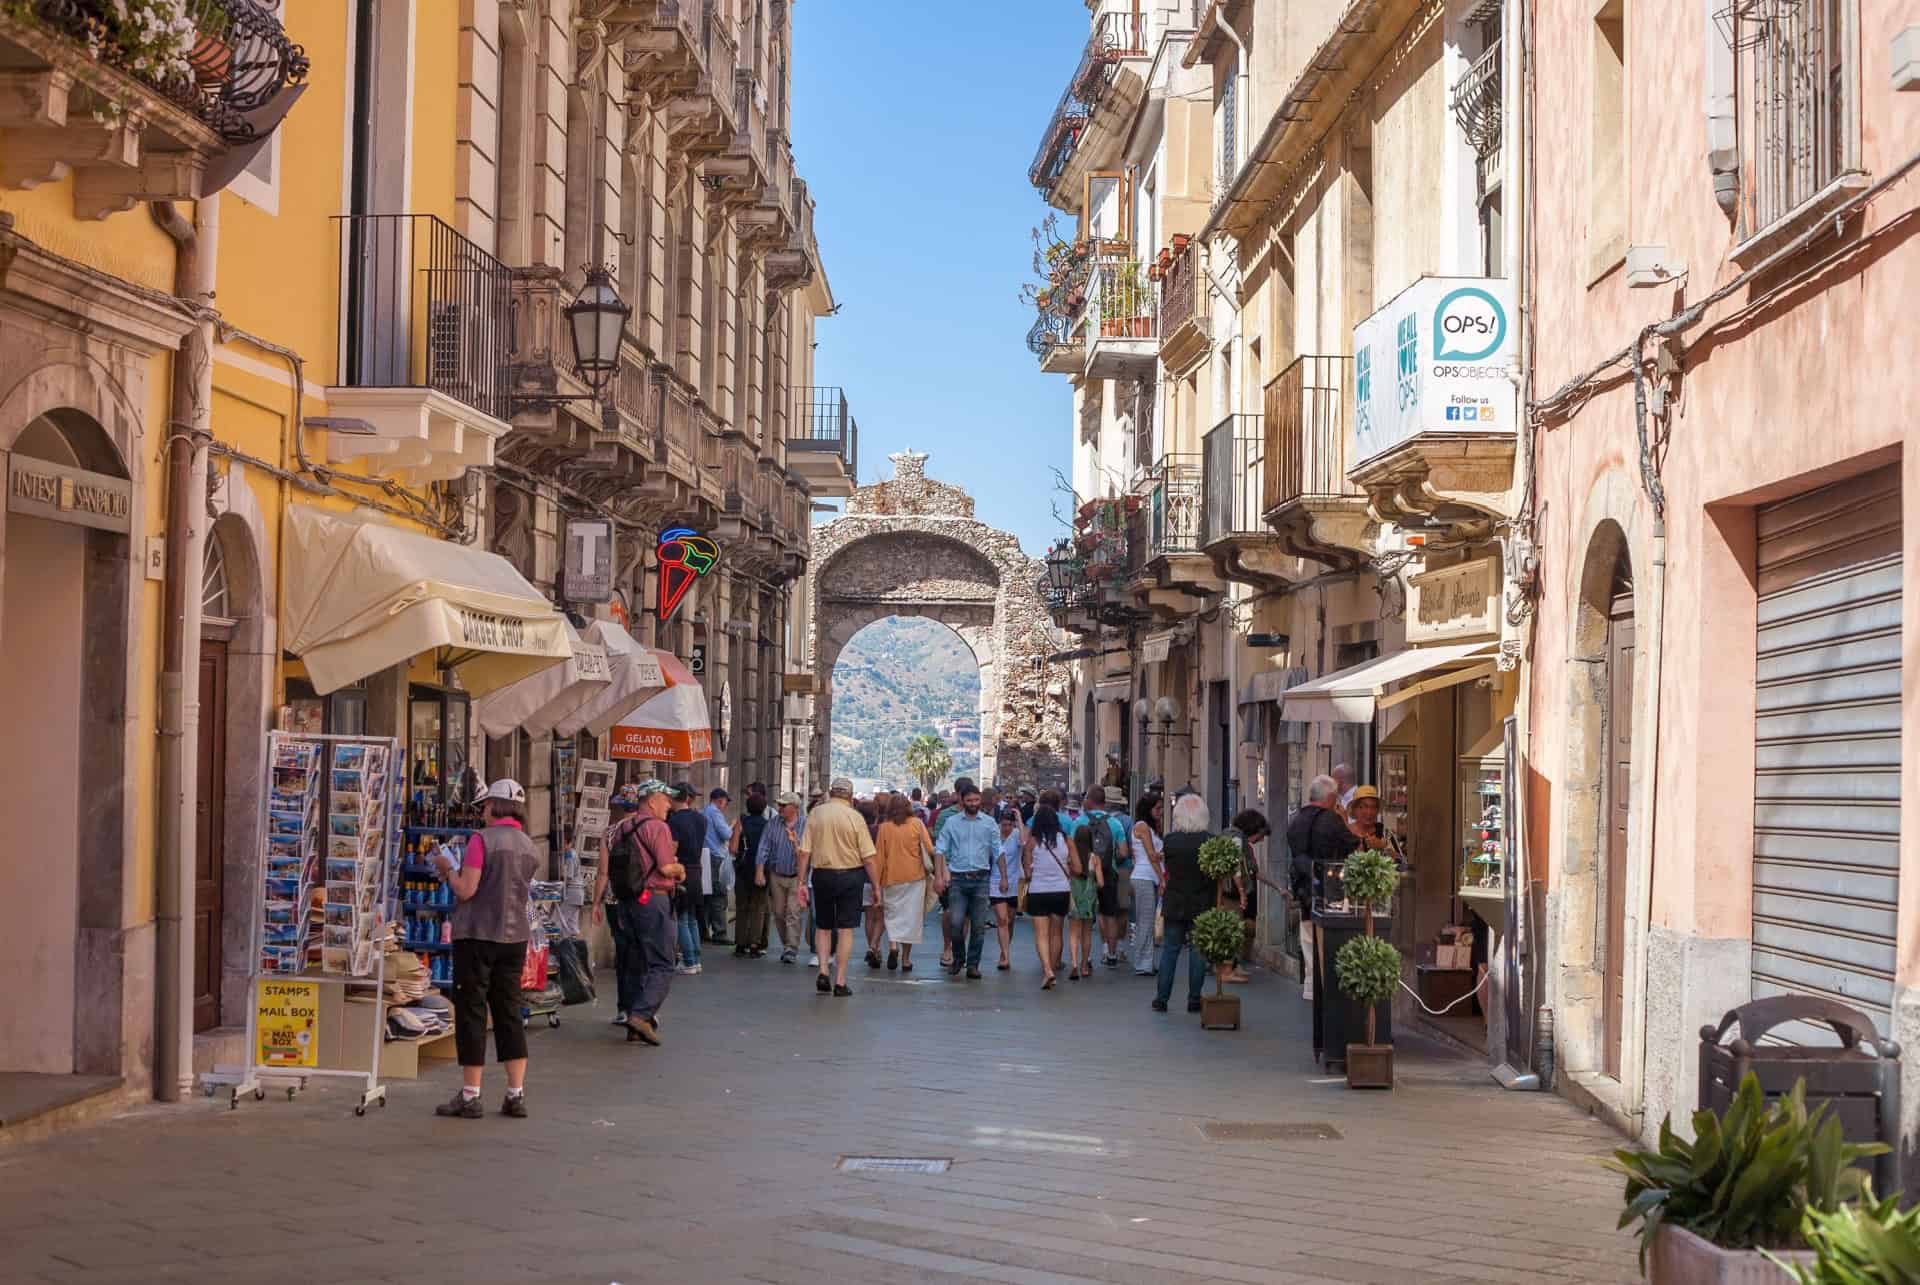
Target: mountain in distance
(900, 677)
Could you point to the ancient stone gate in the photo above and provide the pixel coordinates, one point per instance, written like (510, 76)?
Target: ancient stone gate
(909, 546)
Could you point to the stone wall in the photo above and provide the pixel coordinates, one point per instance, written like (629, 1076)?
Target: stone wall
(909, 546)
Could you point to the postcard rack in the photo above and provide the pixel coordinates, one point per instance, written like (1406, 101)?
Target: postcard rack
(327, 893)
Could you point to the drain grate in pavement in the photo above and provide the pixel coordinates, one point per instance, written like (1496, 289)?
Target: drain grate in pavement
(894, 1164)
(1264, 1131)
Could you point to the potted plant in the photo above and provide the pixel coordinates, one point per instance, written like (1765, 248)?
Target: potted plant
(1867, 1243)
(1217, 933)
(1728, 1206)
(1368, 967)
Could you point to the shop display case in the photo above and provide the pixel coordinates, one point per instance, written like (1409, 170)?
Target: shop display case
(1483, 823)
(439, 792)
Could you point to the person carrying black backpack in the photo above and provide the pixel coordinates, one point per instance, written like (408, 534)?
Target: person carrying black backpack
(642, 870)
(752, 903)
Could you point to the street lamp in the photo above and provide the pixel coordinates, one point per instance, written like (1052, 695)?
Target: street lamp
(1063, 568)
(596, 319)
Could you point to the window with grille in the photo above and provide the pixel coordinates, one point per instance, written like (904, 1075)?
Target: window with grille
(1229, 129)
(1797, 103)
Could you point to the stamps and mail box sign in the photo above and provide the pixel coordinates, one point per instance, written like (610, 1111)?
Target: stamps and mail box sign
(40, 489)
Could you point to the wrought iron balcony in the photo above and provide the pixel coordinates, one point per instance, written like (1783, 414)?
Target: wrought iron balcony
(138, 109)
(824, 445)
(1122, 318)
(1115, 37)
(1174, 506)
(1233, 455)
(1185, 322)
(1306, 432)
(1476, 102)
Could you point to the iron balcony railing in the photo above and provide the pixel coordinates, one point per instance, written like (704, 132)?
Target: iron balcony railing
(423, 307)
(1306, 431)
(1476, 102)
(1049, 331)
(1115, 36)
(1174, 506)
(1061, 136)
(1180, 290)
(1233, 457)
(1121, 302)
(237, 57)
(823, 423)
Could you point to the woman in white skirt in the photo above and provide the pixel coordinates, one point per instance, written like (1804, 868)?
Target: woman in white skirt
(903, 853)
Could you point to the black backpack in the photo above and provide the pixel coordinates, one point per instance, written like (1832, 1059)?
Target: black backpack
(623, 863)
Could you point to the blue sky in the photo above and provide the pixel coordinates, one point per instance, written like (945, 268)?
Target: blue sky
(914, 125)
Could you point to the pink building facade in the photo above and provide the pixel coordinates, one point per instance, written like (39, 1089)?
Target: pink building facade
(1722, 778)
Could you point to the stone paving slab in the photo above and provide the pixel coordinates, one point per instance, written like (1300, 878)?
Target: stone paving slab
(1072, 1118)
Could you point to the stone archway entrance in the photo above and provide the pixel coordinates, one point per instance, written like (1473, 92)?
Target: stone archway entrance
(909, 546)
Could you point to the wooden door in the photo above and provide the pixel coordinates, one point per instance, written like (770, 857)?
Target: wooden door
(209, 834)
(1619, 765)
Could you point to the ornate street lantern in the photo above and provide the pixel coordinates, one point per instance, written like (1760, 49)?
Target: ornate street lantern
(596, 319)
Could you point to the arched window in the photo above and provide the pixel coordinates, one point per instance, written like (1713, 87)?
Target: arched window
(216, 594)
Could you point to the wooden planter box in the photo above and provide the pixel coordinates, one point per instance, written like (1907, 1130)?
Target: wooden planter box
(1219, 1012)
(1681, 1258)
(1370, 1066)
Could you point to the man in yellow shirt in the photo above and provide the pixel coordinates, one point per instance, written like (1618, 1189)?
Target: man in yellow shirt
(836, 861)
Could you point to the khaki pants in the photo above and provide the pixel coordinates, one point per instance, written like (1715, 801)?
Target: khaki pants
(783, 892)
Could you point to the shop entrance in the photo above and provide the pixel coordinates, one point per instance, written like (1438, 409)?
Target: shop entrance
(210, 830)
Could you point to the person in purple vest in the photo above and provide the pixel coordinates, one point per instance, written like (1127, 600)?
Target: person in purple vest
(490, 932)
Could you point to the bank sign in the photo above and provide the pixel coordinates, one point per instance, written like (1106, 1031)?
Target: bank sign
(1438, 359)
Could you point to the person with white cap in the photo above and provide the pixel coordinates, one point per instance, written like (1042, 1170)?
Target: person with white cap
(836, 862)
(490, 930)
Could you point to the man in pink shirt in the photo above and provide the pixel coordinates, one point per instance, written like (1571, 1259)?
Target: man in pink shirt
(642, 869)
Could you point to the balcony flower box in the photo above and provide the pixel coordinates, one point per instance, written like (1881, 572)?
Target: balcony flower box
(1180, 241)
(1126, 328)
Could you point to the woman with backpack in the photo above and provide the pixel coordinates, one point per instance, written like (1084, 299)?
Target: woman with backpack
(1087, 879)
(752, 902)
(1046, 860)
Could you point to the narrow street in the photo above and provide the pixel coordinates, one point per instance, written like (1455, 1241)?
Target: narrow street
(1077, 1123)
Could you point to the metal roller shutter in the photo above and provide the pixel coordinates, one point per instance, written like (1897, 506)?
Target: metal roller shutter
(1826, 825)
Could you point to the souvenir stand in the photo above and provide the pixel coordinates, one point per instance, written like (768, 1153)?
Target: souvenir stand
(326, 903)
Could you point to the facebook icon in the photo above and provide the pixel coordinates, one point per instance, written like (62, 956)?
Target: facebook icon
(1453, 412)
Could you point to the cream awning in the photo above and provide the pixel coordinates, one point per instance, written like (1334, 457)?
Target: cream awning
(536, 703)
(635, 675)
(361, 596)
(1355, 694)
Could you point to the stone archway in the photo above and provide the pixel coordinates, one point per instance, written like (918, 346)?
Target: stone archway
(910, 546)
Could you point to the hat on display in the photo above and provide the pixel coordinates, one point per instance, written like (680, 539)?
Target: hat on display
(789, 799)
(1365, 792)
(623, 802)
(842, 787)
(506, 790)
(651, 786)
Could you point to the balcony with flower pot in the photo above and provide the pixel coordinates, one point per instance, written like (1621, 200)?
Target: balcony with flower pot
(1122, 322)
(1185, 319)
(142, 101)
(1088, 129)
(1172, 573)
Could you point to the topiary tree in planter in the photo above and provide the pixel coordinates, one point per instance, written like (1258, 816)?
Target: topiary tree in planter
(1368, 967)
(1217, 933)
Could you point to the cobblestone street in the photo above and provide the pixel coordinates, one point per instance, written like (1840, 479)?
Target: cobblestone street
(1074, 1120)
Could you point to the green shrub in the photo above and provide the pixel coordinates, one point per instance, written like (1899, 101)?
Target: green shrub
(1369, 877)
(1870, 1243)
(1218, 935)
(1368, 969)
(1748, 1177)
(1220, 857)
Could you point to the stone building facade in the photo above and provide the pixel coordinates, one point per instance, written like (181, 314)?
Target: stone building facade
(910, 546)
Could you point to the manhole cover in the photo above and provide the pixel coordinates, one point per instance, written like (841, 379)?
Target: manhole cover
(1262, 1131)
(894, 1164)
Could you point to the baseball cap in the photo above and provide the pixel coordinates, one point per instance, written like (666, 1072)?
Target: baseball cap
(841, 785)
(788, 798)
(652, 785)
(683, 791)
(506, 790)
(719, 792)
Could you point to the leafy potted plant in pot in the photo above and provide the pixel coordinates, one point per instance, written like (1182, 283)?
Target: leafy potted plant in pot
(1728, 1207)
(1368, 967)
(1870, 1243)
(1217, 933)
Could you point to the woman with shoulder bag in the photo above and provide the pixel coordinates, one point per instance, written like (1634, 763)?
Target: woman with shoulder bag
(1088, 881)
(1044, 862)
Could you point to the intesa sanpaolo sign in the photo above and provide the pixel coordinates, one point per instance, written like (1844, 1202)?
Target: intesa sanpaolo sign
(1438, 359)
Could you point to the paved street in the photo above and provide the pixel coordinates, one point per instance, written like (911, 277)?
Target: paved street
(1073, 1120)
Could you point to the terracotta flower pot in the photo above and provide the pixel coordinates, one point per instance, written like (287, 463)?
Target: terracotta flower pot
(1681, 1258)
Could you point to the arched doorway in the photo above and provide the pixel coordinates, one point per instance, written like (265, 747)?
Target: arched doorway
(899, 677)
(65, 586)
(1602, 934)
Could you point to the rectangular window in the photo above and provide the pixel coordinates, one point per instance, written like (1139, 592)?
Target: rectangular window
(1607, 172)
(1798, 105)
(1229, 128)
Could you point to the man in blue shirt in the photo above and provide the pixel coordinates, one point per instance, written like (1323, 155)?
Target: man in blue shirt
(964, 855)
(719, 868)
(778, 866)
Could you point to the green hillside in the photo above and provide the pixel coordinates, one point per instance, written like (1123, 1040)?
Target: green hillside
(897, 678)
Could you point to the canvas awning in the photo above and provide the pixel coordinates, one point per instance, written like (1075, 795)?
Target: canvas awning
(670, 726)
(636, 675)
(1355, 694)
(361, 596)
(536, 703)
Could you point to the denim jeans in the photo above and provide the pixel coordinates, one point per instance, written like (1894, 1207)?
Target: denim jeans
(970, 913)
(1173, 941)
(646, 967)
(1146, 900)
(689, 919)
(626, 950)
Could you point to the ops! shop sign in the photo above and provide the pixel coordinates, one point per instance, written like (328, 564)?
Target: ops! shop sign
(39, 489)
(1438, 359)
(287, 1022)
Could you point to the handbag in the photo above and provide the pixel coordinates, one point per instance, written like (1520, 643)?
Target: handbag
(1025, 880)
(931, 898)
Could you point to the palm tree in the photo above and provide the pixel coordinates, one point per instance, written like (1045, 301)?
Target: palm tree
(928, 760)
